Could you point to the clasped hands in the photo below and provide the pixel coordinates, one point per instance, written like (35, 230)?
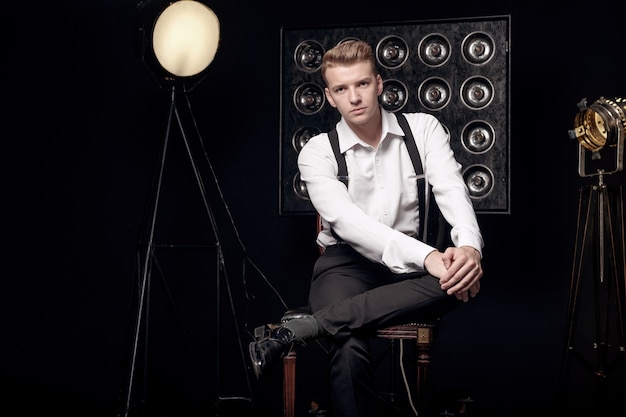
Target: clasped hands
(459, 270)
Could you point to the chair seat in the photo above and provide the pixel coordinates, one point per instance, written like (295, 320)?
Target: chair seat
(406, 331)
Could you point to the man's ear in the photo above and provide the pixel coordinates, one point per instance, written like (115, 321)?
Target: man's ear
(329, 97)
(379, 84)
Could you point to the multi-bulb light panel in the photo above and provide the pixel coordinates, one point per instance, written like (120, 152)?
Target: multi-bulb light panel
(457, 70)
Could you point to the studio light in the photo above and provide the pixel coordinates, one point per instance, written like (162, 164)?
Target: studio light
(598, 288)
(185, 38)
(597, 128)
(181, 42)
(178, 43)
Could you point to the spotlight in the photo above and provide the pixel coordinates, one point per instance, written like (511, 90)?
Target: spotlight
(599, 129)
(308, 55)
(309, 98)
(394, 95)
(392, 52)
(599, 255)
(181, 42)
(434, 50)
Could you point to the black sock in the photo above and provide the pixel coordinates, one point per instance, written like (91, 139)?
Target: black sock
(305, 328)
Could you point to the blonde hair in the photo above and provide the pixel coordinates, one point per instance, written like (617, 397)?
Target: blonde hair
(346, 53)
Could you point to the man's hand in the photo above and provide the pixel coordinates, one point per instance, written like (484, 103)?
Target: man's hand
(459, 271)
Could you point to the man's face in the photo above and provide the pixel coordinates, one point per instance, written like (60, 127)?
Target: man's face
(354, 91)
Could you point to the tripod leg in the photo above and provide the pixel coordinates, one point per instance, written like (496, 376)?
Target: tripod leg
(597, 298)
(221, 266)
(145, 272)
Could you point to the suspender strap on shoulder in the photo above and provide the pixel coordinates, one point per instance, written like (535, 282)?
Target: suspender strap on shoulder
(342, 173)
(419, 171)
(410, 144)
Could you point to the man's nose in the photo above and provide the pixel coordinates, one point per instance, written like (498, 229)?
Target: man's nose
(354, 95)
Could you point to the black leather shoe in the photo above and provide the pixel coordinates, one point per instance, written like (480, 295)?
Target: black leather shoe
(272, 343)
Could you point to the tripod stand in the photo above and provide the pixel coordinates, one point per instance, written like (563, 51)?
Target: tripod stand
(597, 296)
(147, 258)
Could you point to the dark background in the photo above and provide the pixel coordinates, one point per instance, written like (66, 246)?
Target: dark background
(87, 125)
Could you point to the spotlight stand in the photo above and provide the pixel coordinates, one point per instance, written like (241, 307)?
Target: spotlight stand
(601, 216)
(149, 258)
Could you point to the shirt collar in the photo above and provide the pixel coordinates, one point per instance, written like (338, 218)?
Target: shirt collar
(347, 138)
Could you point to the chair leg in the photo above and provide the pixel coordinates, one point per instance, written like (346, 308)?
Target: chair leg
(423, 342)
(289, 384)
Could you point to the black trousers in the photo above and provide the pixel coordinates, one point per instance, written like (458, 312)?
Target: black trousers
(352, 297)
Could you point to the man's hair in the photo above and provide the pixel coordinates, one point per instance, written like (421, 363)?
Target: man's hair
(347, 52)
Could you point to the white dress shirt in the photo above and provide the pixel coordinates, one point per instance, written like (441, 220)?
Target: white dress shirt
(379, 212)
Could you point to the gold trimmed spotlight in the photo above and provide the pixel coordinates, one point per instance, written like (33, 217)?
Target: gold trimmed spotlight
(599, 125)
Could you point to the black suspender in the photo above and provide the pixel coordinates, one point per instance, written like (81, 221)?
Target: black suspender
(409, 141)
(342, 174)
(423, 189)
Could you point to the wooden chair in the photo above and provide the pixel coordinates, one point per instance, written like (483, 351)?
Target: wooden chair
(420, 333)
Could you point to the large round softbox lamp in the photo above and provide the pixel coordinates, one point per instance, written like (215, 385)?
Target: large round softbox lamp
(185, 38)
(179, 41)
(178, 47)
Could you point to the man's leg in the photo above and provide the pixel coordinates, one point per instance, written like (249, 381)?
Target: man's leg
(350, 293)
(351, 296)
(351, 385)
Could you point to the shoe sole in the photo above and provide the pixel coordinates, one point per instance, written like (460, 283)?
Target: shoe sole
(255, 365)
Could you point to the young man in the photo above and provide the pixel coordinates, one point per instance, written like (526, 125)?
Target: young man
(374, 272)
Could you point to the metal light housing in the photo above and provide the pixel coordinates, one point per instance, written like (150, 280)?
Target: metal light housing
(600, 129)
